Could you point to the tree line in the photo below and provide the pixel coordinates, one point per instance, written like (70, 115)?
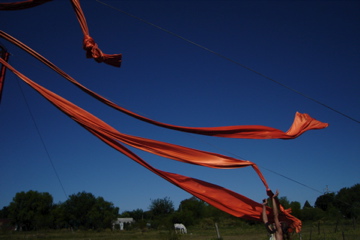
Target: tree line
(33, 210)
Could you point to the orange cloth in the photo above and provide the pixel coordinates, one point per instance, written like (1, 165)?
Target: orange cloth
(5, 55)
(221, 198)
(22, 4)
(302, 122)
(92, 50)
(89, 45)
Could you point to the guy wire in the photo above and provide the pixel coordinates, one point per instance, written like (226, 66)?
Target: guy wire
(231, 60)
(41, 139)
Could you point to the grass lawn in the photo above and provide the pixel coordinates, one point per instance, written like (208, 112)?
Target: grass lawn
(257, 232)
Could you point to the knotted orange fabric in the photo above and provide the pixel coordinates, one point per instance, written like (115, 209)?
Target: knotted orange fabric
(92, 50)
(89, 45)
(302, 122)
(221, 198)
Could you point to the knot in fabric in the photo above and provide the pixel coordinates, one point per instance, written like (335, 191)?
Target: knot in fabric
(92, 50)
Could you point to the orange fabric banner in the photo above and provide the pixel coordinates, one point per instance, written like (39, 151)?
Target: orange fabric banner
(22, 4)
(89, 45)
(4, 55)
(221, 198)
(302, 122)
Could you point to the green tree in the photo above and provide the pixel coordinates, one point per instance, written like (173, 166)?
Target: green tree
(137, 214)
(160, 207)
(284, 202)
(193, 205)
(102, 214)
(160, 212)
(83, 210)
(31, 210)
(312, 214)
(76, 208)
(307, 205)
(189, 211)
(58, 215)
(347, 200)
(325, 201)
(4, 213)
(295, 209)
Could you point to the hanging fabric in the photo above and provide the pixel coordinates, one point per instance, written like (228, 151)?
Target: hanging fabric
(4, 55)
(302, 122)
(221, 198)
(22, 4)
(89, 45)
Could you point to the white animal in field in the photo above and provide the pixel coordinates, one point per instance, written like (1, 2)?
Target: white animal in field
(180, 227)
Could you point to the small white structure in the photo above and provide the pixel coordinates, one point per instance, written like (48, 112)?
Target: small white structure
(181, 227)
(121, 222)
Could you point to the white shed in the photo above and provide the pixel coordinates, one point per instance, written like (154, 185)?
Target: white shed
(121, 222)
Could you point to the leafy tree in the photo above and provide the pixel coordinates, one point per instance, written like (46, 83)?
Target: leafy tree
(102, 214)
(214, 213)
(193, 205)
(31, 210)
(189, 211)
(307, 205)
(83, 210)
(76, 208)
(58, 214)
(186, 217)
(295, 209)
(160, 207)
(347, 200)
(4, 213)
(312, 214)
(160, 212)
(325, 201)
(284, 202)
(137, 214)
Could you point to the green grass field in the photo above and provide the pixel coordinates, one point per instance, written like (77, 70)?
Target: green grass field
(256, 232)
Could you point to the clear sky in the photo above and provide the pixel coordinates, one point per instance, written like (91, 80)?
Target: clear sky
(310, 46)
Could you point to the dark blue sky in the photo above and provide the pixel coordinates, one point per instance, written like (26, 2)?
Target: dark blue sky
(310, 46)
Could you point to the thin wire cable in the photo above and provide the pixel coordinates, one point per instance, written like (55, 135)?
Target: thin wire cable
(231, 60)
(41, 139)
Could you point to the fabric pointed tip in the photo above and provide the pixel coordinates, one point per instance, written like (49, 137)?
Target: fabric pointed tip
(303, 122)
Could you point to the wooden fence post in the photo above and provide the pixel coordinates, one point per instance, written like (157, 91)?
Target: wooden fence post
(217, 231)
(336, 226)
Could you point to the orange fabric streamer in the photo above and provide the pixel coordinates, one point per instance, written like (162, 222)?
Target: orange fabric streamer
(89, 45)
(22, 4)
(221, 198)
(302, 122)
(5, 55)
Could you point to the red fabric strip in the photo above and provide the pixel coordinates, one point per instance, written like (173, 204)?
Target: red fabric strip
(221, 198)
(302, 122)
(5, 55)
(22, 4)
(89, 45)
